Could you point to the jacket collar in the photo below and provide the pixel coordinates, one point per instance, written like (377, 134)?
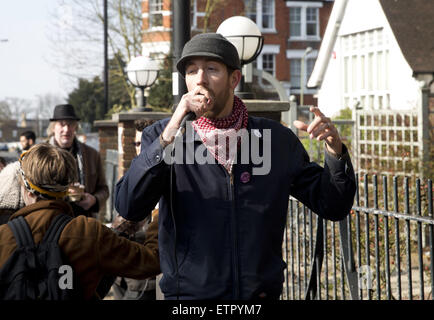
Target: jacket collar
(52, 205)
(191, 134)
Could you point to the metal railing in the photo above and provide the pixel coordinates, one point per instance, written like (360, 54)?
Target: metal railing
(380, 251)
(111, 174)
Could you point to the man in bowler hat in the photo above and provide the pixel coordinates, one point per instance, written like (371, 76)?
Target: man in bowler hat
(62, 133)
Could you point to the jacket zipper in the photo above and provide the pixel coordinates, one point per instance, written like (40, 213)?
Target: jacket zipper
(236, 290)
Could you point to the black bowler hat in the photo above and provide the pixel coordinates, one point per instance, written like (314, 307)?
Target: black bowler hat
(212, 45)
(64, 112)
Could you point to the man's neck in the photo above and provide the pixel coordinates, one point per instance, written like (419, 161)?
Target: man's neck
(227, 110)
(68, 148)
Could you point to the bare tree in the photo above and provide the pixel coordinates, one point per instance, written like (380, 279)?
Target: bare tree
(78, 42)
(15, 107)
(46, 103)
(210, 8)
(5, 110)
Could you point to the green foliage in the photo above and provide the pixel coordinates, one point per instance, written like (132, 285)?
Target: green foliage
(160, 94)
(315, 148)
(88, 99)
(120, 91)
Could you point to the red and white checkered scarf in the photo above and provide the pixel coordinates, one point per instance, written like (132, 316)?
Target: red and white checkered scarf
(219, 135)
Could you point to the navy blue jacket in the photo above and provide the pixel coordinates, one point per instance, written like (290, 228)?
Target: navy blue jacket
(229, 229)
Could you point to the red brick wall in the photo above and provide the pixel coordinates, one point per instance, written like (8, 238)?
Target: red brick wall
(226, 9)
(108, 139)
(127, 139)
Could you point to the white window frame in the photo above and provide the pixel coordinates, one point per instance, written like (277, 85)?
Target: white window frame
(196, 15)
(273, 49)
(370, 84)
(303, 5)
(259, 12)
(298, 54)
(273, 71)
(150, 13)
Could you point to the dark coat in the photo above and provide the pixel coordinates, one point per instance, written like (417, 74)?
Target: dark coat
(92, 249)
(229, 229)
(94, 176)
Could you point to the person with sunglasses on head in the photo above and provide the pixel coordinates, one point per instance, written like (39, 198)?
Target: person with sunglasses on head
(92, 249)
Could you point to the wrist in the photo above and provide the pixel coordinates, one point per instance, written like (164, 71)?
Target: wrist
(335, 151)
(166, 141)
(172, 127)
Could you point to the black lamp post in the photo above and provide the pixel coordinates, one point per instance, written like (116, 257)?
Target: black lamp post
(106, 88)
(181, 34)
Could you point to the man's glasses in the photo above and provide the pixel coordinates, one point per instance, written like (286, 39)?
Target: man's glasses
(136, 144)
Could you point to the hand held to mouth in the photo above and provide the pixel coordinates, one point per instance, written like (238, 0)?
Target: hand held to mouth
(199, 100)
(321, 128)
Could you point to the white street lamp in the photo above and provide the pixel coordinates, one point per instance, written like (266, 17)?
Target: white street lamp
(142, 73)
(245, 35)
(303, 72)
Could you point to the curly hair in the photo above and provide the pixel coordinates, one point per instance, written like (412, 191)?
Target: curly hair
(141, 124)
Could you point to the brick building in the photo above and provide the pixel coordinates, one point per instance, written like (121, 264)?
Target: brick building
(288, 27)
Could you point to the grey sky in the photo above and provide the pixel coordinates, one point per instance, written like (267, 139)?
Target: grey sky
(26, 59)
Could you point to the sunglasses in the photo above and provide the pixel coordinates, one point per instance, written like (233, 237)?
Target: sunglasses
(136, 144)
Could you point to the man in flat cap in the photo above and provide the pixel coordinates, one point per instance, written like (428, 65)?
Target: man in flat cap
(62, 133)
(222, 220)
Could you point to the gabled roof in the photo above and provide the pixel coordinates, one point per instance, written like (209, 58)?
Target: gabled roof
(412, 23)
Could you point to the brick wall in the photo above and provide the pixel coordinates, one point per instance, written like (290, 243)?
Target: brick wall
(129, 152)
(107, 137)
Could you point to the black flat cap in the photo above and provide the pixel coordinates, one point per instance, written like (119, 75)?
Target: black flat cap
(64, 112)
(212, 45)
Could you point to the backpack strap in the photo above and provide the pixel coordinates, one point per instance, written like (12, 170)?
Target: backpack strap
(22, 233)
(56, 228)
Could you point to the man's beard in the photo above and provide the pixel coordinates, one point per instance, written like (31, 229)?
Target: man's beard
(219, 104)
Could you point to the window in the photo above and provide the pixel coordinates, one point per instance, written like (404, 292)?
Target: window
(261, 12)
(196, 14)
(155, 13)
(304, 20)
(267, 14)
(295, 70)
(268, 63)
(250, 8)
(365, 61)
(311, 21)
(295, 22)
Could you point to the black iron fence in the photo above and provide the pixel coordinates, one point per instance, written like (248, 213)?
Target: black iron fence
(383, 250)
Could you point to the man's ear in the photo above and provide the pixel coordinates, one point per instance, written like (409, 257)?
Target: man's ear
(235, 78)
